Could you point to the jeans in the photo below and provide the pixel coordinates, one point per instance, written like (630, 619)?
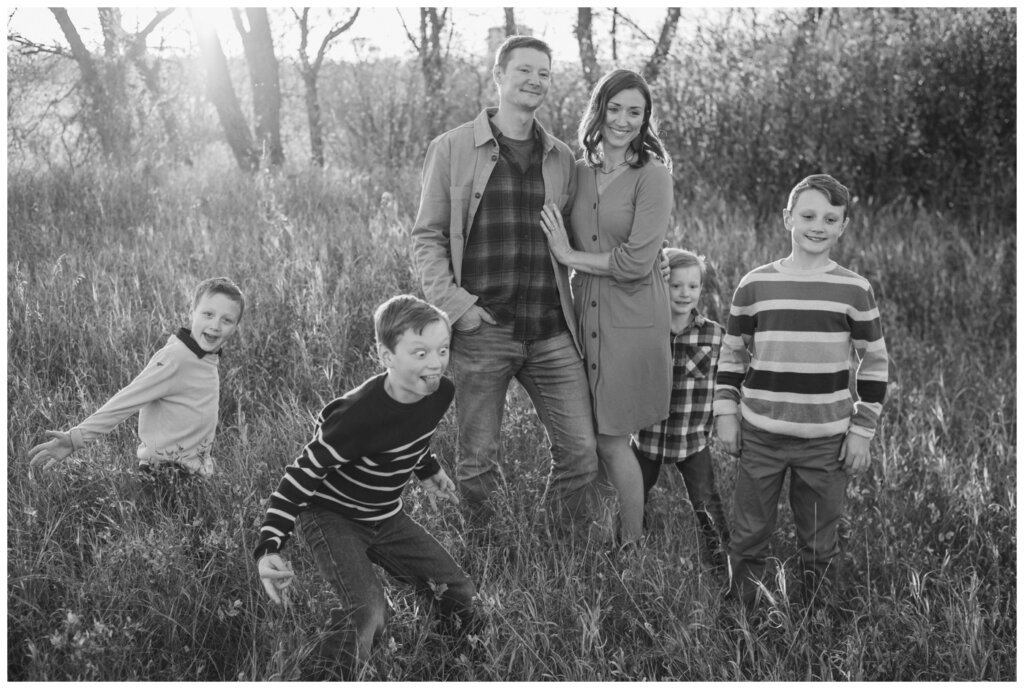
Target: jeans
(345, 552)
(698, 474)
(817, 490)
(484, 362)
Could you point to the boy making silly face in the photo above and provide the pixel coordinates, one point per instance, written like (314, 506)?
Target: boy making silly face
(346, 486)
(416, 362)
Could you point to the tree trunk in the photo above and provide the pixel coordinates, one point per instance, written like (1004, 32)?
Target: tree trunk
(585, 38)
(103, 114)
(510, 22)
(150, 72)
(310, 72)
(668, 32)
(431, 26)
(221, 93)
(615, 37)
(258, 44)
(432, 64)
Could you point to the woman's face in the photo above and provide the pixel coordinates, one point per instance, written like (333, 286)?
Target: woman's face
(623, 118)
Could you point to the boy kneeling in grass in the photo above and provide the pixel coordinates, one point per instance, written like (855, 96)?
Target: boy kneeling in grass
(347, 486)
(176, 395)
(782, 395)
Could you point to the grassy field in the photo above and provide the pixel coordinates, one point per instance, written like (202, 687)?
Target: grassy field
(101, 586)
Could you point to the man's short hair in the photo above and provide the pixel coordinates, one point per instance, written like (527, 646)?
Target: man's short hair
(511, 43)
(398, 314)
(221, 285)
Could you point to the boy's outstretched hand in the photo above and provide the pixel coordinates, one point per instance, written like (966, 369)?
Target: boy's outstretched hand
(855, 455)
(276, 576)
(52, 451)
(440, 486)
(727, 428)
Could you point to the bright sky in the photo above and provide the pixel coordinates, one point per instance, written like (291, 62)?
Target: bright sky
(381, 27)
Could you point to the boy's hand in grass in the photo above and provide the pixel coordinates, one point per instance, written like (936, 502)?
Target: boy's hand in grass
(276, 576)
(52, 451)
(727, 428)
(855, 455)
(440, 486)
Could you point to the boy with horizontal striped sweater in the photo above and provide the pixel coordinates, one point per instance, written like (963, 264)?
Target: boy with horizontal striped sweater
(347, 485)
(796, 329)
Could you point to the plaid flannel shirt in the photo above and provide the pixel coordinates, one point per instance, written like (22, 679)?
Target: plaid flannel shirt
(687, 429)
(507, 264)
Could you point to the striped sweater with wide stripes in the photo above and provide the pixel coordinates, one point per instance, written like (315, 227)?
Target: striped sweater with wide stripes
(365, 448)
(792, 340)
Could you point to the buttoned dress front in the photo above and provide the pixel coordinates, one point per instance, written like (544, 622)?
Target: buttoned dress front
(623, 319)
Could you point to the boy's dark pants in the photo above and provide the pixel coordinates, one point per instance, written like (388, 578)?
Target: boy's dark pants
(699, 477)
(345, 552)
(817, 488)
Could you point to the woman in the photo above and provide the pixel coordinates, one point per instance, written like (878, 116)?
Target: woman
(618, 223)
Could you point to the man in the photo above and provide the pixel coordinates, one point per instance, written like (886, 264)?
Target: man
(483, 259)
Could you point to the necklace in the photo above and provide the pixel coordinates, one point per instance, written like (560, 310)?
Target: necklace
(613, 169)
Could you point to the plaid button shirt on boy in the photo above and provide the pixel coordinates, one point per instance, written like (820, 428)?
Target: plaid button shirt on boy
(687, 429)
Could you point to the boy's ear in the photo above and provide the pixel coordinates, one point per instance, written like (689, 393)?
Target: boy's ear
(385, 355)
(787, 218)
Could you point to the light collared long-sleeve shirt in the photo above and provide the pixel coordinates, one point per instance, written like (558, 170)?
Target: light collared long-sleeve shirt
(177, 396)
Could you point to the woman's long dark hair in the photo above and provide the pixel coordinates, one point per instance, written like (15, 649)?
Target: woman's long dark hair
(645, 144)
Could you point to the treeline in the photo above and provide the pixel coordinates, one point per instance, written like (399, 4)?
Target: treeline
(905, 105)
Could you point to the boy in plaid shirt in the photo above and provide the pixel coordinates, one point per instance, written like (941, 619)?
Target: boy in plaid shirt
(682, 439)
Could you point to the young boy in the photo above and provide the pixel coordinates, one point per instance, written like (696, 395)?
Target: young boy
(347, 485)
(176, 394)
(782, 398)
(682, 438)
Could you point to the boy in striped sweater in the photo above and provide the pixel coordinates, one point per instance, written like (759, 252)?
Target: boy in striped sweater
(347, 485)
(797, 327)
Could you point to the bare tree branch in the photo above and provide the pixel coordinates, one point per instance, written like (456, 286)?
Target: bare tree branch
(30, 47)
(336, 31)
(407, 32)
(153, 23)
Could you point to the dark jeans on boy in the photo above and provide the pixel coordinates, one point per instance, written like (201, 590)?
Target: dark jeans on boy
(345, 552)
(817, 488)
(699, 477)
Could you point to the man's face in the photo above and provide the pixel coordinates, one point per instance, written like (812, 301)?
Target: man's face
(524, 81)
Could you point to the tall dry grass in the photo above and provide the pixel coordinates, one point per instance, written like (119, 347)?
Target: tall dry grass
(102, 586)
